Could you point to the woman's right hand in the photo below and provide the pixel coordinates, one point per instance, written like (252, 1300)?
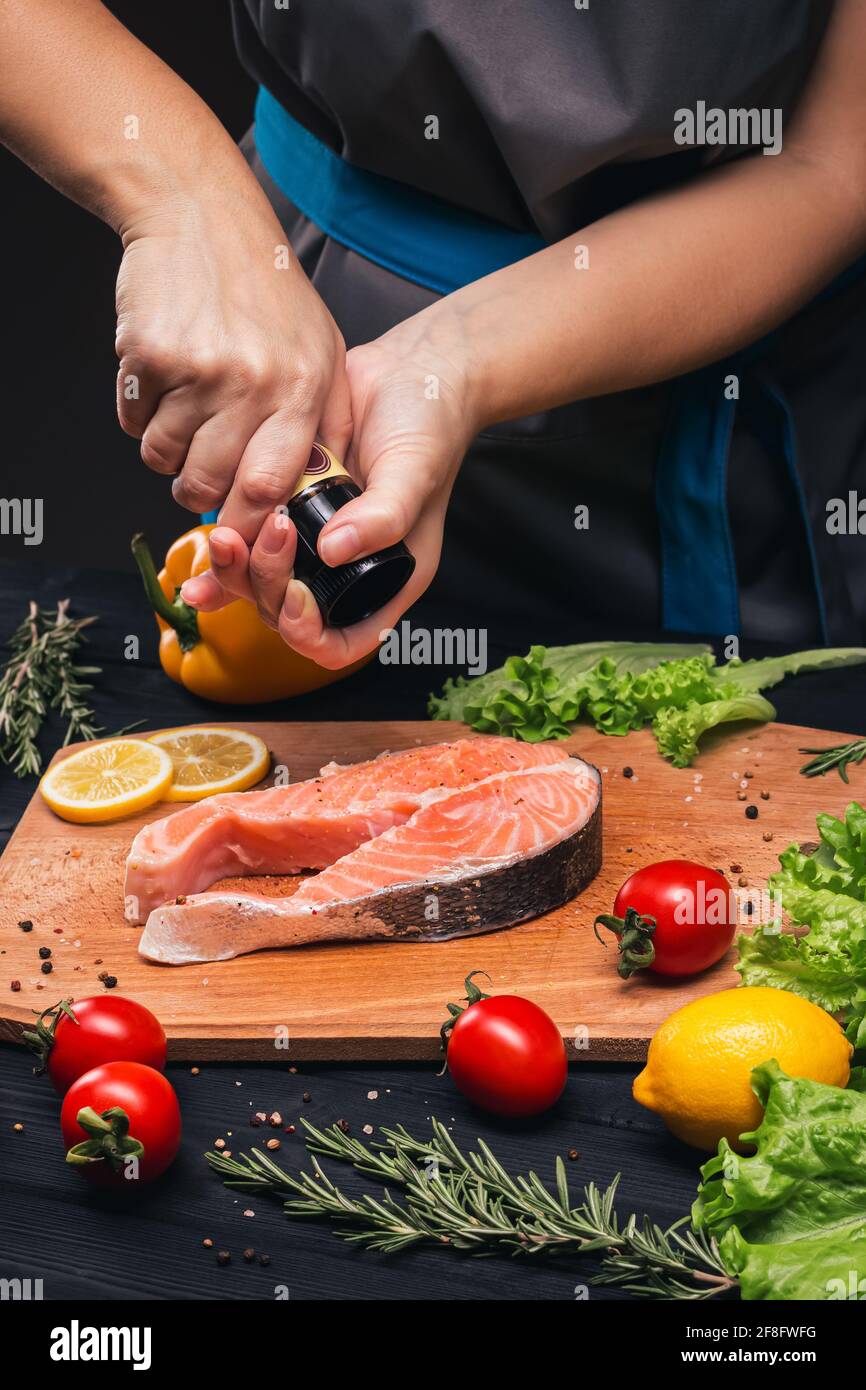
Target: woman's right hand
(230, 364)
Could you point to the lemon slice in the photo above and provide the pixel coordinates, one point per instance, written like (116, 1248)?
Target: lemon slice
(107, 780)
(211, 760)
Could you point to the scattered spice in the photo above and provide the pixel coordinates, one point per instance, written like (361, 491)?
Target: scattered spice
(343, 1126)
(742, 882)
(264, 1259)
(289, 1129)
(219, 1143)
(736, 868)
(741, 796)
(306, 1097)
(194, 1071)
(110, 981)
(275, 1119)
(223, 1257)
(44, 952)
(18, 1128)
(573, 1154)
(46, 967)
(249, 1254)
(765, 796)
(628, 772)
(15, 986)
(752, 812)
(207, 1243)
(768, 835)
(249, 1212)
(273, 1144)
(26, 925)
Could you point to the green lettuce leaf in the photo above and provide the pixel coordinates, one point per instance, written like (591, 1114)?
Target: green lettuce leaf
(677, 730)
(825, 892)
(622, 686)
(790, 1220)
(769, 670)
(511, 692)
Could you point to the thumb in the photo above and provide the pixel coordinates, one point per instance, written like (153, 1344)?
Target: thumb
(399, 484)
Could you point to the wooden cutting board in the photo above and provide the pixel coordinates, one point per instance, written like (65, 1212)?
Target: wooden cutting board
(386, 1001)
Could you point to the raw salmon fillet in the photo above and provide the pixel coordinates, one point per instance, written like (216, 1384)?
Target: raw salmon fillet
(507, 848)
(306, 825)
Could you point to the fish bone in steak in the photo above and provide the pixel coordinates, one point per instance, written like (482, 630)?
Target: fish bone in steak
(503, 850)
(307, 825)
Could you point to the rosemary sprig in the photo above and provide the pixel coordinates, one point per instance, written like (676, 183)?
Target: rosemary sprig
(41, 675)
(839, 757)
(470, 1202)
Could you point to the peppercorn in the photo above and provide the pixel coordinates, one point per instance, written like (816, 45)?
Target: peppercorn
(15, 986)
(306, 1097)
(46, 967)
(26, 925)
(573, 1154)
(752, 812)
(249, 1254)
(223, 1257)
(343, 1126)
(741, 796)
(44, 952)
(264, 1259)
(110, 981)
(765, 796)
(628, 772)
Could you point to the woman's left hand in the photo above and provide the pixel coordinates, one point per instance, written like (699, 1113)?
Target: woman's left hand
(413, 419)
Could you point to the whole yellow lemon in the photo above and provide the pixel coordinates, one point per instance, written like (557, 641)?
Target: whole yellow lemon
(700, 1060)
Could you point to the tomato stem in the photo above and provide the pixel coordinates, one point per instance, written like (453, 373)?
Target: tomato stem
(41, 1039)
(473, 995)
(109, 1138)
(634, 934)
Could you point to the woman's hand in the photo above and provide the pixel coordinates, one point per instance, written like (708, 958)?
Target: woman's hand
(413, 418)
(230, 364)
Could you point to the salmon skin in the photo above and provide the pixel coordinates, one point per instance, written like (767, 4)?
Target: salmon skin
(306, 825)
(505, 849)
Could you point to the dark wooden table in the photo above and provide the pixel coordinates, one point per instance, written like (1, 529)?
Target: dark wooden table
(86, 1245)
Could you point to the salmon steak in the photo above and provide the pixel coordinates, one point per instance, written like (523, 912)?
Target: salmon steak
(305, 825)
(508, 847)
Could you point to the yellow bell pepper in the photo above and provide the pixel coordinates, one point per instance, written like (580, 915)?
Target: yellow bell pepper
(229, 656)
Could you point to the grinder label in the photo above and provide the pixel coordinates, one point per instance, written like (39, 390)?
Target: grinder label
(321, 464)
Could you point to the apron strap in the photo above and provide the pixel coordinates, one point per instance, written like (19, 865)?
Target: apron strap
(413, 234)
(698, 571)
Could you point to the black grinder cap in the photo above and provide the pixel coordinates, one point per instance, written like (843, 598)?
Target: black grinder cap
(346, 594)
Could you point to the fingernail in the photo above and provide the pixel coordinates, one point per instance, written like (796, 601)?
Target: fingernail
(220, 552)
(340, 545)
(192, 591)
(273, 536)
(293, 603)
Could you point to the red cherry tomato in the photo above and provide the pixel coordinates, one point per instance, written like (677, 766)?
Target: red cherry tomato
(130, 1112)
(694, 914)
(72, 1038)
(506, 1054)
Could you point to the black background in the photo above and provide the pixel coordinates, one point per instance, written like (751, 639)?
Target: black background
(61, 439)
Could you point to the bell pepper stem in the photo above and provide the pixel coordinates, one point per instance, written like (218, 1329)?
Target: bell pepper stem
(175, 612)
